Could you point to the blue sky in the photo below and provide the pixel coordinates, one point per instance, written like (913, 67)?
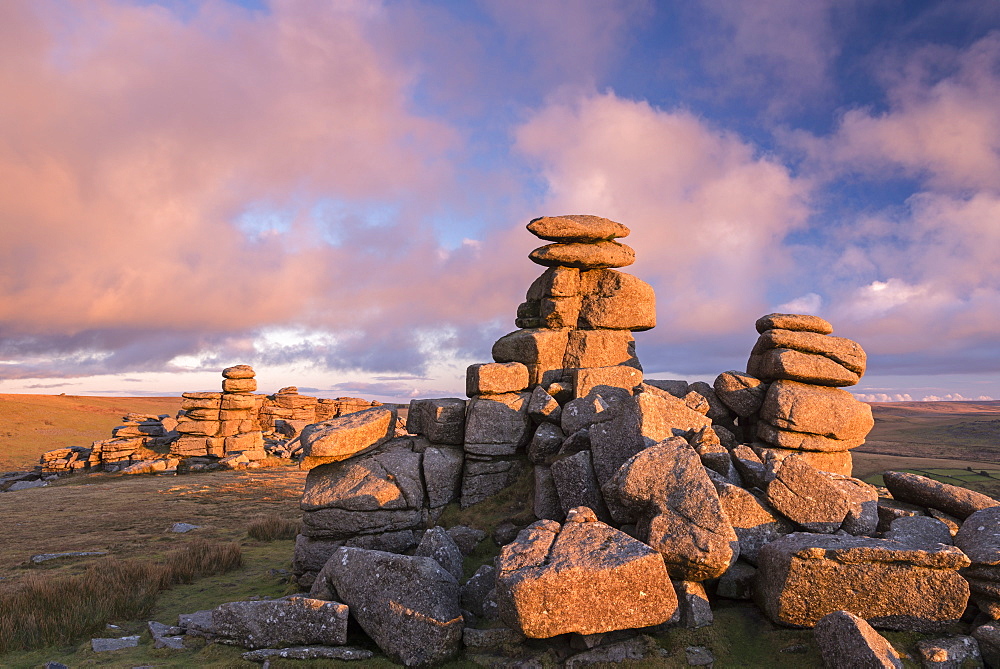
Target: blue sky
(336, 193)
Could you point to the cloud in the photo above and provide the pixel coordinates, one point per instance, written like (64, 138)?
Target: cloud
(884, 397)
(941, 124)
(955, 397)
(708, 213)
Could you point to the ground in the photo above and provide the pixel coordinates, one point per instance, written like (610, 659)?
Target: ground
(131, 515)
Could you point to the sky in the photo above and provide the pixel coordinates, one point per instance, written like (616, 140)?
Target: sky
(336, 192)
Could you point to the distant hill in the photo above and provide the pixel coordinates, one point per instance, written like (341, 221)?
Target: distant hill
(950, 430)
(33, 424)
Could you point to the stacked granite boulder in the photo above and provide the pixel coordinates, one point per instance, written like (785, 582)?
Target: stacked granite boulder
(650, 495)
(222, 424)
(287, 411)
(791, 396)
(139, 437)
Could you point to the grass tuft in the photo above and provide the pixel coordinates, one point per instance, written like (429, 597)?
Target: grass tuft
(271, 528)
(40, 610)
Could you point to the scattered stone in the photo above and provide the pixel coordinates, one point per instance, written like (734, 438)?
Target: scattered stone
(438, 545)
(104, 645)
(636, 648)
(466, 538)
(295, 621)
(692, 603)
(956, 652)
(183, 528)
(698, 656)
(345, 653)
(920, 531)
(679, 511)
(847, 642)
(738, 581)
(479, 593)
(988, 637)
(45, 557)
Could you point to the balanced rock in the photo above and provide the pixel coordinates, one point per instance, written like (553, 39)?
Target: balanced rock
(799, 322)
(786, 363)
(583, 576)
(340, 438)
(803, 577)
(842, 351)
(576, 228)
(594, 255)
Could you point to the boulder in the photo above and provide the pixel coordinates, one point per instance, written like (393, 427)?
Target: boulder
(842, 351)
(680, 514)
(495, 378)
(483, 477)
(546, 502)
(294, 621)
(584, 255)
(954, 652)
(438, 545)
(238, 372)
(407, 604)
(738, 582)
(584, 577)
(600, 405)
(806, 496)
(239, 385)
(988, 637)
(616, 301)
(803, 577)
(586, 379)
(797, 322)
(923, 491)
(692, 603)
(785, 363)
(442, 467)
(803, 441)
(741, 392)
(479, 593)
(921, 531)
(755, 522)
(346, 436)
(540, 349)
(834, 462)
(599, 348)
(577, 485)
(442, 421)
(543, 407)
(498, 419)
(576, 228)
(386, 480)
(848, 642)
(545, 443)
(816, 410)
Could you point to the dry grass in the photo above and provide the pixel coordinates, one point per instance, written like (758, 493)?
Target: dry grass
(33, 424)
(42, 611)
(272, 528)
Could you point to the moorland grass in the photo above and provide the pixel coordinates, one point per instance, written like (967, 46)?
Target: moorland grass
(272, 528)
(41, 610)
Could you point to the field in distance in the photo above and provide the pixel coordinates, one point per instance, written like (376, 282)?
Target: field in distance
(33, 424)
(945, 430)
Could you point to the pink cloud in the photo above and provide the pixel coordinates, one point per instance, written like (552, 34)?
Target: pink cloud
(707, 213)
(944, 130)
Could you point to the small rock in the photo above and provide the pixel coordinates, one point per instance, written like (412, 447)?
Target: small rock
(309, 653)
(45, 557)
(699, 656)
(957, 652)
(102, 645)
(182, 528)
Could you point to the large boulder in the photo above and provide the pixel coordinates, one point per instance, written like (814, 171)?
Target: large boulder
(616, 301)
(817, 410)
(741, 392)
(576, 228)
(916, 489)
(346, 436)
(979, 538)
(679, 510)
(804, 576)
(278, 623)
(755, 522)
(785, 363)
(441, 420)
(807, 496)
(407, 604)
(796, 322)
(584, 255)
(583, 576)
(497, 424)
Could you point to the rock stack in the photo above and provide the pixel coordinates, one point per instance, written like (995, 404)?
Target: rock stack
(790, 397)
(222, 424)
(136, 439)
(651, 496)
